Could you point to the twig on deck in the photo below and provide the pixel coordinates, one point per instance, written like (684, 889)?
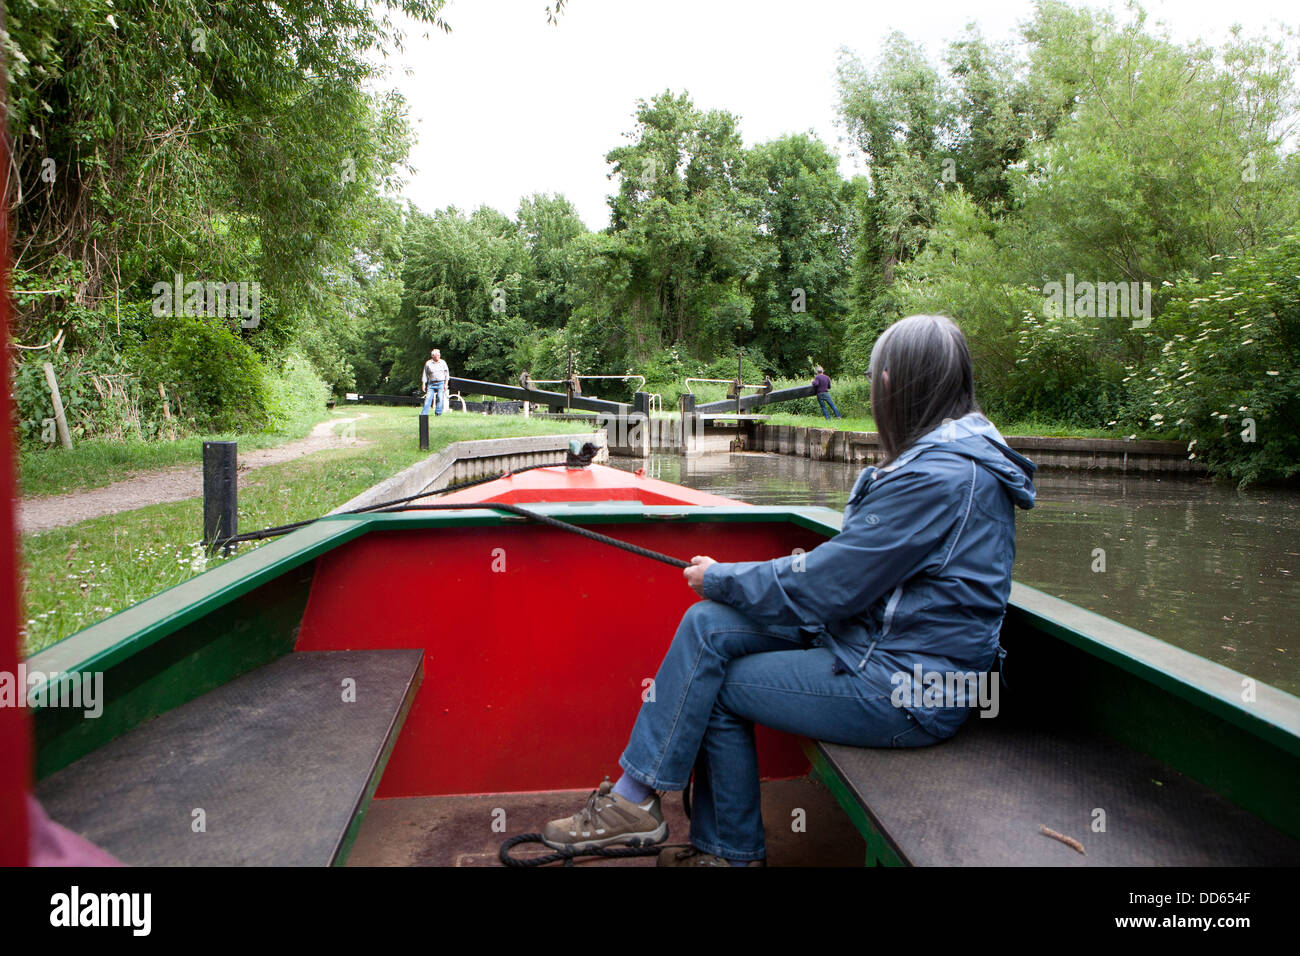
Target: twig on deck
(1068, 841)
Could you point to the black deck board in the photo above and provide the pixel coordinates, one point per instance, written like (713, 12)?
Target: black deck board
(276, 759)
(980, 798)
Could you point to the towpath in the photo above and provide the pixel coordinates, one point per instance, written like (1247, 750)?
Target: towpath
(172, 484)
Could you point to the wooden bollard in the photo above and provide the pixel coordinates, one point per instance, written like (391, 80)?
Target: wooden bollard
(220, 495)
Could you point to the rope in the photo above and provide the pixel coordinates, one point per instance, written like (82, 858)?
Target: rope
(294, 526)
(568, 856)
(403, 504)
(552, 522)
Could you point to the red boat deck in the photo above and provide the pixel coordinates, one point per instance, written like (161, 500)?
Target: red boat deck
(593, 483)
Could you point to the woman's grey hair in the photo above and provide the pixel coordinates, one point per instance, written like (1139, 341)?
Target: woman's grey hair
(930, 380)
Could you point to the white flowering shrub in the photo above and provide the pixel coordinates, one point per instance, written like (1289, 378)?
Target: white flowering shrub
(1228, 373)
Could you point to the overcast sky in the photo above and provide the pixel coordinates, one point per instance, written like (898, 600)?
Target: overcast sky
(507, 105)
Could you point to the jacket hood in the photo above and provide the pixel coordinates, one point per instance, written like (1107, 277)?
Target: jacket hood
(975, 437)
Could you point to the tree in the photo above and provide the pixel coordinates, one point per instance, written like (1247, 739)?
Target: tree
(549, 225)
(686, 228)
(1227, 375)
(150, 139)
(462, 278)
(801, 290)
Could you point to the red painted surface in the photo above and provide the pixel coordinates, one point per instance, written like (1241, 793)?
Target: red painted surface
(14, 739)
(595, 483)
(533, 675)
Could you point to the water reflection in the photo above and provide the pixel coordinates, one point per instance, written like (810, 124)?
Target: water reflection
(1198, 565)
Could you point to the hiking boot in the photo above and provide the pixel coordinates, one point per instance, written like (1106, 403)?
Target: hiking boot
(605, 820)
(689, 856)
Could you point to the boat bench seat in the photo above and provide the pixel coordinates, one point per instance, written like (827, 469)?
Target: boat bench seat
(982, 797)
(274, 768)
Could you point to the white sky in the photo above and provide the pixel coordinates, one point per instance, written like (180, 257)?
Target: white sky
(507, 105)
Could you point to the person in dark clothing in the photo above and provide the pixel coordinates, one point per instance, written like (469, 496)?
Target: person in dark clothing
(823, 385)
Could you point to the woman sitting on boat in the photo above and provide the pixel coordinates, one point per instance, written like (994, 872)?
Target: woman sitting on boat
(827, 644)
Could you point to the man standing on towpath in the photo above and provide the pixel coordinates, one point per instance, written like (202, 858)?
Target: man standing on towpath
(822, 383)
(433, 381)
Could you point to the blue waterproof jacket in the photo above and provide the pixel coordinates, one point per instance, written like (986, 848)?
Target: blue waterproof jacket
(919, 574)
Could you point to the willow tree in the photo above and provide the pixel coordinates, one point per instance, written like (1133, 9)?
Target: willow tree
(218, 140)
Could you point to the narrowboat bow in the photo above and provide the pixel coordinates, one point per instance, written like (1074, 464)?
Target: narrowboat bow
(414, 687)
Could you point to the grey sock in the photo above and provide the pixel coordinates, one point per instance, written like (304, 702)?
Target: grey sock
(633, 790)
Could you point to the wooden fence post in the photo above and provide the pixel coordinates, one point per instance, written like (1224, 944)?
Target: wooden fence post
(59, 418)
(167, 413)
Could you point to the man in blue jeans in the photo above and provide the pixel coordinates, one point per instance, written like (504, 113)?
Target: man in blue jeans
(822, 383)
(846, 643)
(433, 381)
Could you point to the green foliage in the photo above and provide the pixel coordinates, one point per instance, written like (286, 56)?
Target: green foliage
(1228, 372)
(685, 229)
(1171, 153)
(801, 291)
(244, 144)
(218, 379)
(294, 394)
(224, 142)
(101, 399)
(463, 280)
(1103, 152)
(213, 382)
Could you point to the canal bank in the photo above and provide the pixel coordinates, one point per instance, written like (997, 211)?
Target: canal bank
(1080, 454)
(694, 434)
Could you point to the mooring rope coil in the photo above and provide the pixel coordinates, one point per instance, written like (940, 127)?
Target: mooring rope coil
(568, 856)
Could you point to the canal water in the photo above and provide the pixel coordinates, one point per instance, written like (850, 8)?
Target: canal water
(1199, 565)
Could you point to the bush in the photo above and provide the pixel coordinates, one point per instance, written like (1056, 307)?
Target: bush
(218, 379)
(101, 398)
(1228, 375)
(294, 393)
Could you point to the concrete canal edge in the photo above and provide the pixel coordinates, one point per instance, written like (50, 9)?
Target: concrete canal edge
(1082, 454)
(467, 460)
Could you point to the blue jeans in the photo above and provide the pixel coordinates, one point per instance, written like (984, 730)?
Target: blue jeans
(439, 389)
(824, 399)
(724, 673)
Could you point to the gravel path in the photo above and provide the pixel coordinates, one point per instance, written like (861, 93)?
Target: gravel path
(174, 484)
